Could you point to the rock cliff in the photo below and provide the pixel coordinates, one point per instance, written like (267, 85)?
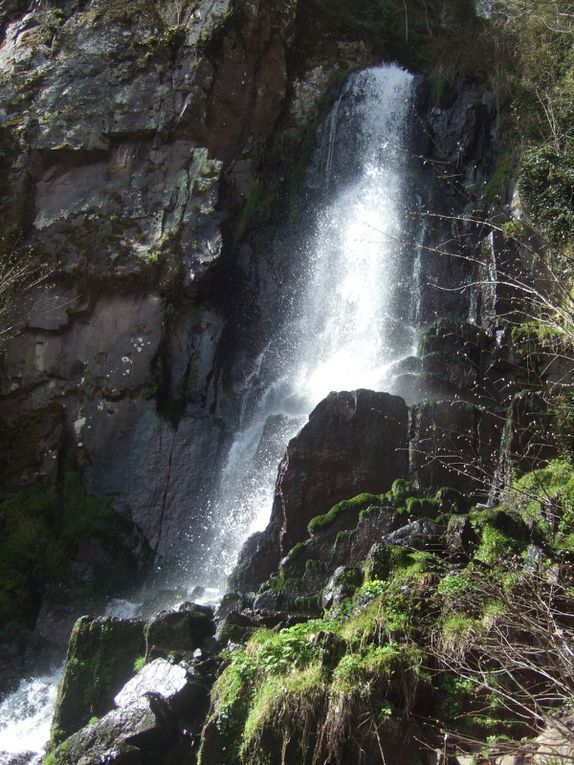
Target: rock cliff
(160, 164)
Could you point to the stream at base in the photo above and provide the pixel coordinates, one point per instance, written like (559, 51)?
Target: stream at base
(26, 715)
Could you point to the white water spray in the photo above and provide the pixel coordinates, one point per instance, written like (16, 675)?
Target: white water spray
(355, 303)
(26, 715)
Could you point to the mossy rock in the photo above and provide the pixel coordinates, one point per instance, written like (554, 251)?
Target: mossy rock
(100, 660)
(378, 564)
(401, 490)
(421, 508)
(345, 513)
(502, 535)
(451, 501)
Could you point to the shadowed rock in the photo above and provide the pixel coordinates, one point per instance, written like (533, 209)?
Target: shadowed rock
(353, 442)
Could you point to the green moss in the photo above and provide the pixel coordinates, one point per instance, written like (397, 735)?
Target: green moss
(295, 552)
(230, 700)
(498, 185)
(544, 500)
(307, 604)
(139, 663)
(496, 545)
(456, 584)
(348, 506)
(451, 501)
(341, 540)
(101, 656)
(42, 527)
(421, 508)
(284, 706)
(438, 85)
(313, 566)
(279, 693)
(281, 581)
(401, 490)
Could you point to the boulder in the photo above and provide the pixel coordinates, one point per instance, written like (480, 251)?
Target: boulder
(181, 631)
(422, 534)
(353, 442)
(100, 659)
(159, 676)
(122, 736)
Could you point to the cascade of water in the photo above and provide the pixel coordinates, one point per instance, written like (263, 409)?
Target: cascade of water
(26, 715)
(355, 304)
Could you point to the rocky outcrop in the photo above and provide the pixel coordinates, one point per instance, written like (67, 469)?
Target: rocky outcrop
(353, 441)
(157, 712)
(115, 701)
(125, 121)
(454, 444)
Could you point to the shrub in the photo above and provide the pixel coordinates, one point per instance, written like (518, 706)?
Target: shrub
(546, 180)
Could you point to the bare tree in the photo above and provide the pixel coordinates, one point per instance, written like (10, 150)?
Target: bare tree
(518, 652)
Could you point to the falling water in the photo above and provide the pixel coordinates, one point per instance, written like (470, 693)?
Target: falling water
(355, 303)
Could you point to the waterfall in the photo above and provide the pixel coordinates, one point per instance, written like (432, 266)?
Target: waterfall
(354, 317)
(355, 306)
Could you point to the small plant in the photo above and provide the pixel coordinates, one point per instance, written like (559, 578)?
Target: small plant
(139, 663)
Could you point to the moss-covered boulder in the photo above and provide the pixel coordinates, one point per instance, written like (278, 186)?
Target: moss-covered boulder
(353, 442)
(100, 660)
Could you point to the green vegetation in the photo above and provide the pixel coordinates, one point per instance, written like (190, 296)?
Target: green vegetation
(414, 626)
(501, 177)
(287, 689)
(533, 82)
(546, 180)
(421, 508)
(139, 663)
(41, 529)
(350, 507)
(544, 499)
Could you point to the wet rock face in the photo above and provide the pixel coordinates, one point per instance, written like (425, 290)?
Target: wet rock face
(353, 442)
(455, 444)
(456, 135)
(124, 121)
